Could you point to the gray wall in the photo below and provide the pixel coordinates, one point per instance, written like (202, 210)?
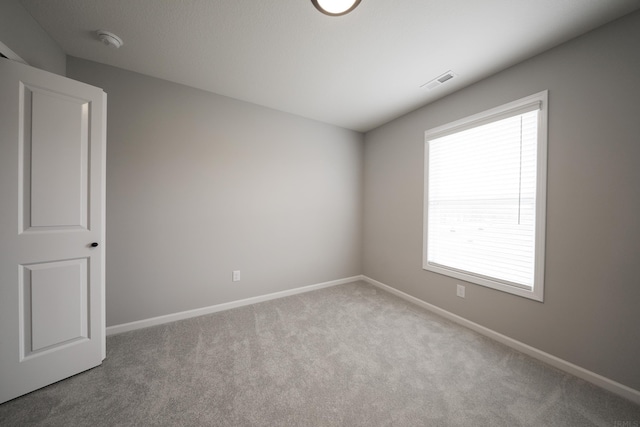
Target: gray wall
(591, 312)
(24, 36)
(199, 185)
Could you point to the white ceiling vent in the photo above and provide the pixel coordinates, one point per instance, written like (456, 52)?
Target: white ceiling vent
(440, 80)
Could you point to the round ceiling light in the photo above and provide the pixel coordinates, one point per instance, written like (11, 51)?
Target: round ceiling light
(109, 39)
(335, 7)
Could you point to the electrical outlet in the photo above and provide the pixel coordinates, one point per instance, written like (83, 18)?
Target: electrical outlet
(460, 291)
(236, 275)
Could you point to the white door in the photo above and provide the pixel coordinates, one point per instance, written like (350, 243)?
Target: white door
(52, 177)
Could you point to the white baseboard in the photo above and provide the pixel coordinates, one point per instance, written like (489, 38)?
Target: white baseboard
(592, 377)
(145, 323)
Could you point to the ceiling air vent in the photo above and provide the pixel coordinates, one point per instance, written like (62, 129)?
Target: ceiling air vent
(430, 85)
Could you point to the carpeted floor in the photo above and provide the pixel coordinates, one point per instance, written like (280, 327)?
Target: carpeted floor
(350, 355)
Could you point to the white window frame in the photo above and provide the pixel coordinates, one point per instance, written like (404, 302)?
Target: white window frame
(507, 110)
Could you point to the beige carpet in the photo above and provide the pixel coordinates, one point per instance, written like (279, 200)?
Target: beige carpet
(350, 355)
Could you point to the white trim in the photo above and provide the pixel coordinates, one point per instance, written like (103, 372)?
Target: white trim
(140, 324)
(4, 49)
(592, 377)
(597, 379)
(538, 101)
(514, 108)
(541, 196)
(103, 227)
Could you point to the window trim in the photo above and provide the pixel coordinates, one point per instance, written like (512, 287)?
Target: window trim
(501, 112)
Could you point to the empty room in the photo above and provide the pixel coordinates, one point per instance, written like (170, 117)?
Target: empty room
(319, 213)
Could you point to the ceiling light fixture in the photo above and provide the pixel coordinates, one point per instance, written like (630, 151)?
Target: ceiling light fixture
(109, 39)
(335, 7)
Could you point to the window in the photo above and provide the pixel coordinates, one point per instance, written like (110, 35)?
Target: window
(485, 194)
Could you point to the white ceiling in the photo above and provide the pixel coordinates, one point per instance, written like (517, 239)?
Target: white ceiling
(357, 71)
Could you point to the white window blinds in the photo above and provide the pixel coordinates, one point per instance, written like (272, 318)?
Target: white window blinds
(481, 190)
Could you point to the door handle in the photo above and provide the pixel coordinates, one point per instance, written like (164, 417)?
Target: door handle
(94, 245)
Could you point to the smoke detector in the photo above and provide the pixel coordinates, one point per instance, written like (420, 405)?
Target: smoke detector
(109, 39)
(440, 80)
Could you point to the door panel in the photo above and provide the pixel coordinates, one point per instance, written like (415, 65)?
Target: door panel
(58, 159)
(55, 304)
(52, 166)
